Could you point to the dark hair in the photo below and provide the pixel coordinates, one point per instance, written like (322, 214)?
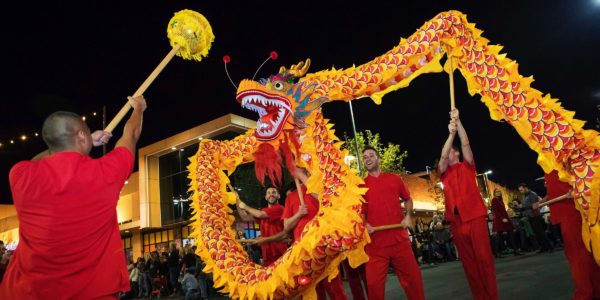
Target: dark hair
(522, 184)
(369, 147)
(271, 187)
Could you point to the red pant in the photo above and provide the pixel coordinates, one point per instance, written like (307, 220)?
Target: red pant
(473, 243)
(405, 265)
(356, 277)
(334, 288)
(584, 270)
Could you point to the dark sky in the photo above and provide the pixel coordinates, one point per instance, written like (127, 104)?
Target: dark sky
(82, 55)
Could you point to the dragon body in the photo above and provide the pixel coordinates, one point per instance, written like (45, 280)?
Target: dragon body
(290, 119)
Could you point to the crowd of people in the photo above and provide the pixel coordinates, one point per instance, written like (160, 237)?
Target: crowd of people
(177, 272)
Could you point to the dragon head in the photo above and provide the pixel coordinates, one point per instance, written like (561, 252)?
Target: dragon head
(276, 99)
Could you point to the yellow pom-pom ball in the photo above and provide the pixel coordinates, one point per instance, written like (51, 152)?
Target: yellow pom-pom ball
(192, 33)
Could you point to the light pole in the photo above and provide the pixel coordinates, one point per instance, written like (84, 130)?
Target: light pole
(355, 140)
(485, 177)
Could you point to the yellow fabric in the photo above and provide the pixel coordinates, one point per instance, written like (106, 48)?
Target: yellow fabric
(559, 139)
(192, 33)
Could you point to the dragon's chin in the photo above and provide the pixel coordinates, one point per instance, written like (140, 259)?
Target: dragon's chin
(273, 111)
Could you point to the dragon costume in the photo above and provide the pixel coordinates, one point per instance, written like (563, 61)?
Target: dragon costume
(291, 122)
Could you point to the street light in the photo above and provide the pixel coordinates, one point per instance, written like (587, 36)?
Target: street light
(485, 179)
(348, 159)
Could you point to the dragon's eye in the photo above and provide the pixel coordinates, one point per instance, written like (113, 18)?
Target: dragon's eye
(278, 85)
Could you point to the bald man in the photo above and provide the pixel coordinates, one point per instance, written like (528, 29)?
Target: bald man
(70, 245)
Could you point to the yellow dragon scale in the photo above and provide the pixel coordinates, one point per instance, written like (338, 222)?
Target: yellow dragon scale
(560, 141)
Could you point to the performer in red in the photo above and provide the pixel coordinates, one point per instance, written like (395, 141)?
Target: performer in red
(502, 223)
(69, 241)
(270, 222)
(356, 278)
(466, 213)
(296, 216)
(392, 246)
(584, 270)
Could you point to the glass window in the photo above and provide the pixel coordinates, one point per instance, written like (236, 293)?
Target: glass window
(174, 182)
(158, 240)
(127, 247)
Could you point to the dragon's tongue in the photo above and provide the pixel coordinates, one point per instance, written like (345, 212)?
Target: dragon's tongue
(269, 118)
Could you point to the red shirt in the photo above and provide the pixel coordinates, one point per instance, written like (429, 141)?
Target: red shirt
(69, 241)
(292, 203)
(461, 191)
(382, 207)
(562, 210)
(269, 226)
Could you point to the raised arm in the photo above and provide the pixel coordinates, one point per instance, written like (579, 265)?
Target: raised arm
(290, 223)
(443, 162)
(256, 213)
(133, 127)
(464, 139)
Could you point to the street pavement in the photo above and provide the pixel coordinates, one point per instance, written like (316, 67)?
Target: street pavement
(531, 276)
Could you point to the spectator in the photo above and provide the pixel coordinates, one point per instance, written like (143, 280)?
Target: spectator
(173, 266)
(189, 285)
(534, 217)
(134, 277)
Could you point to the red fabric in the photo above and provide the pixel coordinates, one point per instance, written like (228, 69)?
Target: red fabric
(500, 213)
(70, 246)
(402, 258)
(356, 278)
(267, 162)
(334, 288)
(382, 207)
(562, 210)
(461, 191)
(584, 270)
(292, 203)
(472, 241)
(268, 227)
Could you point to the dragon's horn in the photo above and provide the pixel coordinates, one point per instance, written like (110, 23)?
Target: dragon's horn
(297, 70)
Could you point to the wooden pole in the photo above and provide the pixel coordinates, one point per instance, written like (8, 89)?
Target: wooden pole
(451, 77)
(557, 199)
(245, 241)
(140, 91)
(299, 190)
(387, 227)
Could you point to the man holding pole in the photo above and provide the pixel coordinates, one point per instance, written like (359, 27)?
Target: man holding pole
(382, 207)
(270, 222)
(466, 212)
(300, 208)
(584, 270)
(70, 246)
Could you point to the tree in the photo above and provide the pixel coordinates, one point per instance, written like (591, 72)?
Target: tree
(390, 155)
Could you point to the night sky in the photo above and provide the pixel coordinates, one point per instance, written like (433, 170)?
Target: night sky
(83, 55)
